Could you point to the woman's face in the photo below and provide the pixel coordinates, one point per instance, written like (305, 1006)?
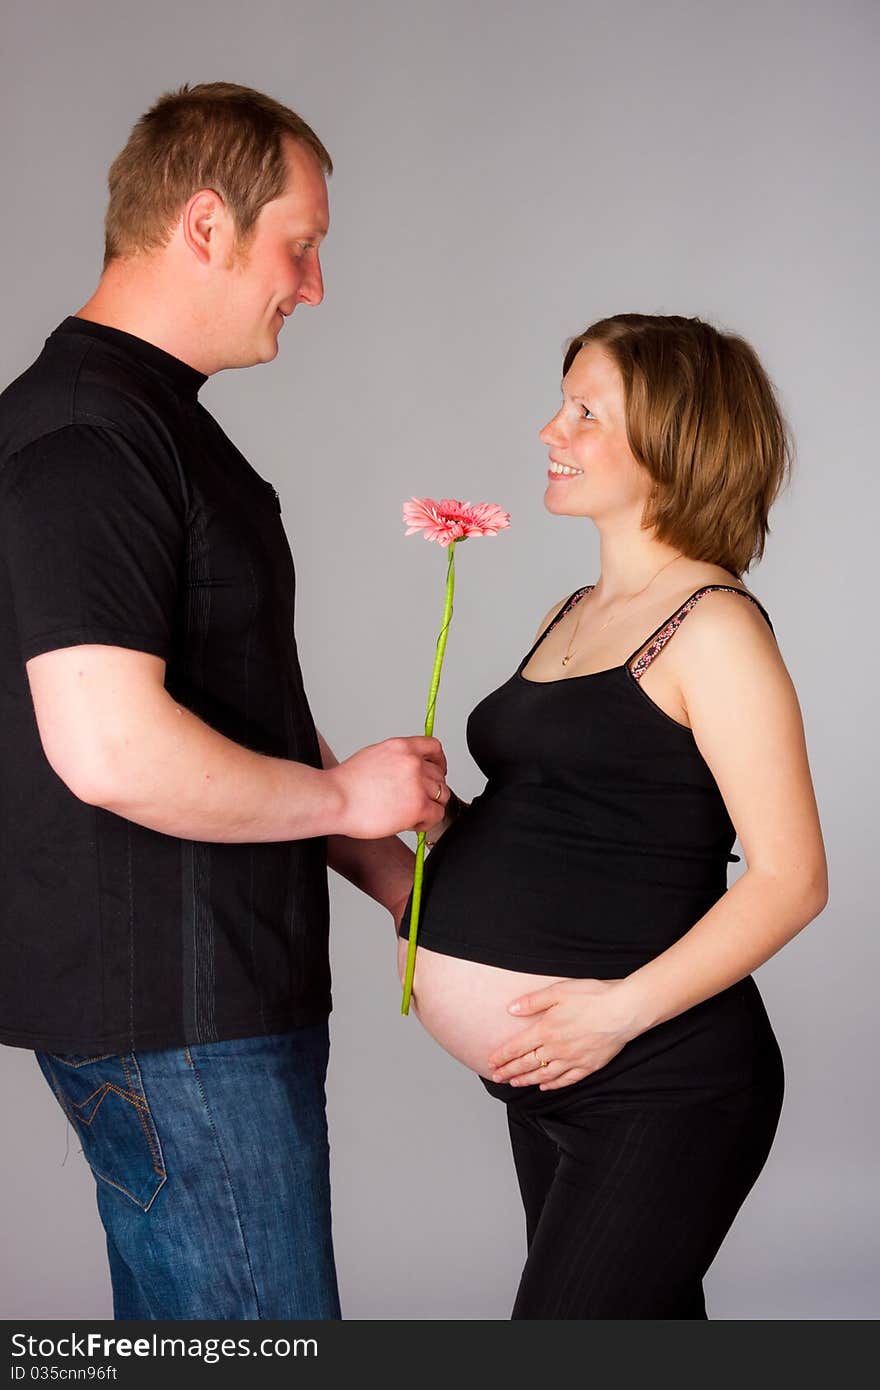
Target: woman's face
(592, 471)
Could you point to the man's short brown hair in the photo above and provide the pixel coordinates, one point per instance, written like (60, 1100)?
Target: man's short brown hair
(702, 417)
(215, 135)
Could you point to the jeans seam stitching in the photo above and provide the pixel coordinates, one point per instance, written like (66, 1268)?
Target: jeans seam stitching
(235, 1206)
(147, 1122)
(74, 1066)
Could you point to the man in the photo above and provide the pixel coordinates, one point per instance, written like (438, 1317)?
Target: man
(166, 804)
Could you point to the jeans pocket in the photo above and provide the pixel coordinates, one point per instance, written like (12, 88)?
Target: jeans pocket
(103, 1098)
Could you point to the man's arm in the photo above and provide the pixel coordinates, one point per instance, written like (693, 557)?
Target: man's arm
(383, 869)
(117, 739)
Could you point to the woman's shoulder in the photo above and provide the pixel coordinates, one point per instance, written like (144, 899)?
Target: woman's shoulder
(713, 590)
(726, 663)
(725, 621)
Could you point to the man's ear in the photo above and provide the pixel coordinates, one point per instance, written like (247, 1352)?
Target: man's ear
(207, 229)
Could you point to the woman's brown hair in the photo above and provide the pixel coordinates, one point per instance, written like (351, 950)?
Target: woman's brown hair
(215, 135)
(702, 417)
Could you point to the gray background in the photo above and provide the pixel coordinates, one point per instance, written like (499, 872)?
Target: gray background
(506, 173)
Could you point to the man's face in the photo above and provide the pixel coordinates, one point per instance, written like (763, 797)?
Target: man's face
(278, 267)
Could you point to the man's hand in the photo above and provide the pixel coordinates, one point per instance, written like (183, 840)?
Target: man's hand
(399, 784)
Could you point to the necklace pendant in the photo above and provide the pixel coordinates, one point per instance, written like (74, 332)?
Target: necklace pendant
(566, 659)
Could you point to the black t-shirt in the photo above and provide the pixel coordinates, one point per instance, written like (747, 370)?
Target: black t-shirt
(128, 518)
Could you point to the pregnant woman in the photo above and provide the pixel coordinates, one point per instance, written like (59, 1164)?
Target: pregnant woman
(579, 947)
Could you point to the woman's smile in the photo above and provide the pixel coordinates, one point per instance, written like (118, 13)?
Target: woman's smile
(558, 471)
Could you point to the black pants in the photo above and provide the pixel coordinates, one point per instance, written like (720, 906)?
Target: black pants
(632, 1177)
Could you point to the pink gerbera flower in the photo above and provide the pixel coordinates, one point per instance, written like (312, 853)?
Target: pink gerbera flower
(448, 520)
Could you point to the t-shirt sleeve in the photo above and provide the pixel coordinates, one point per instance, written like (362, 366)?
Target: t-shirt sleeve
(93, 533)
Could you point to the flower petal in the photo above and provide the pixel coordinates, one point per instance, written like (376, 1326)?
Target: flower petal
(451, 520)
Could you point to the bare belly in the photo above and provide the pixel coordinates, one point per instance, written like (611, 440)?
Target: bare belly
(463, 1004)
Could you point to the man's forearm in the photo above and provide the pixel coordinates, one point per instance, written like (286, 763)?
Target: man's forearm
(382, 869)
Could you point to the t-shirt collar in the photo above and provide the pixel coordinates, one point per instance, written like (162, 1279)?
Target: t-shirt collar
(185, 380)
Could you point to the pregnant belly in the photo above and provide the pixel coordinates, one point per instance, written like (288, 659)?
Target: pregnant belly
(463, 1004)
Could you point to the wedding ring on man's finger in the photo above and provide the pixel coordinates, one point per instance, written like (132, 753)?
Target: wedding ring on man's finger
(439, 791)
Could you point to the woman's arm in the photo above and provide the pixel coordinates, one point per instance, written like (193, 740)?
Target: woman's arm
(747, 724)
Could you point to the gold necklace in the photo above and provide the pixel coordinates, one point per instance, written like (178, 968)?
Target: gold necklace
(568, 655)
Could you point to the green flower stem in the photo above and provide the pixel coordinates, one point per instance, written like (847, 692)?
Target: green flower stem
(429, 729)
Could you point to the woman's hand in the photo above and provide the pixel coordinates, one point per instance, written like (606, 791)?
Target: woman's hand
(579, 1026)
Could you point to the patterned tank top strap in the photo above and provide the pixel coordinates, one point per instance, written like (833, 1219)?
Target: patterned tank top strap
(639, 661)
(570, 603)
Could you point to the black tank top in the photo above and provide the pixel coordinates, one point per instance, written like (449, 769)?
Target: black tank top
(601, 835)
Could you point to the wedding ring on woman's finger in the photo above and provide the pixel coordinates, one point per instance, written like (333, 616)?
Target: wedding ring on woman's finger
(539, 1060)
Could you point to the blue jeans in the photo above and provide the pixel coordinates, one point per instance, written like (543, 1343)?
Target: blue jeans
(212, 1170)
